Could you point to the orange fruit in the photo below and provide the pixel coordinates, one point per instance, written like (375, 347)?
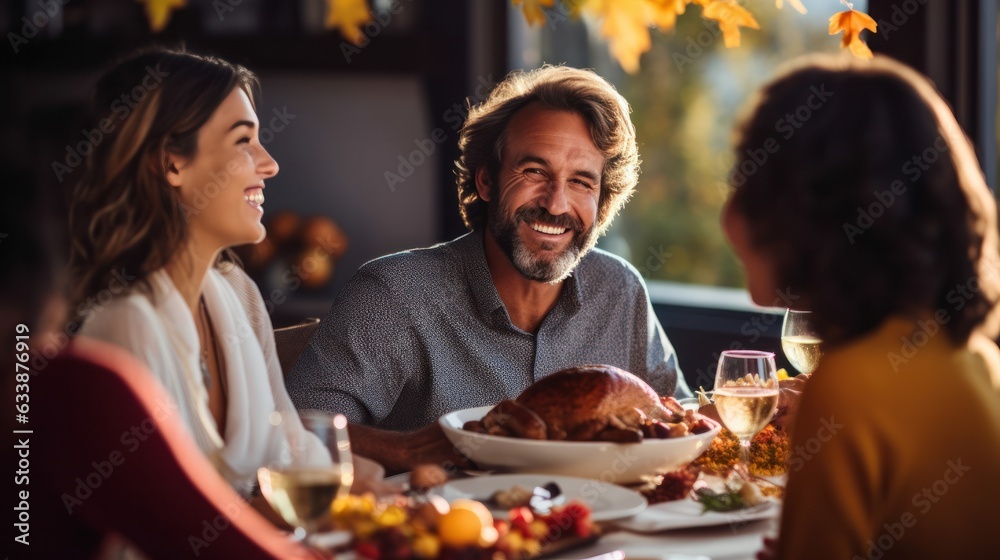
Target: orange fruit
(460, 528)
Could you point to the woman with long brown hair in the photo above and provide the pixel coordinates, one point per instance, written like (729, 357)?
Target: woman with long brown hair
(93, 484)
(877, 215)
(175, 182)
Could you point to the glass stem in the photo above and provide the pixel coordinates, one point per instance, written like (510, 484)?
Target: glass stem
(745, 456)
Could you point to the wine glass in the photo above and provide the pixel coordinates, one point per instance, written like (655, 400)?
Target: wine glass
(303, 492)
(800, 341)
(746, 394)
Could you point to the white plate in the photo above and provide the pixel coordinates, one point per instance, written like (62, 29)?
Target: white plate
(606, 501)
(620, 463)
(686, 513)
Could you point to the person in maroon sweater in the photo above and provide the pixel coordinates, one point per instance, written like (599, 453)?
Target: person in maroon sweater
(114, 459)
(108, 459)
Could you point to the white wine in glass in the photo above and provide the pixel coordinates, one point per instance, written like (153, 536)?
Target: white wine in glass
(746, 394)
(800, 342)
(746, 410)
(303, 492)
(302, 497)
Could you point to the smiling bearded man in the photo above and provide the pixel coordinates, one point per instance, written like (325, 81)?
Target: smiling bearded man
(532, 266)
(547, 161)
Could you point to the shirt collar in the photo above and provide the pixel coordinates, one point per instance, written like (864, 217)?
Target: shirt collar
(473, 255)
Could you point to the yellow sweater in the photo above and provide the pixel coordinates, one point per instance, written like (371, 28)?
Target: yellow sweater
(896, 450)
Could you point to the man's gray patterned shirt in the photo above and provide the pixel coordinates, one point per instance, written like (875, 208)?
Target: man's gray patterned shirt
(421, 333)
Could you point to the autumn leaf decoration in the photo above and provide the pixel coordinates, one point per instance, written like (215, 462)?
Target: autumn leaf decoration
(797, 4)
(533, 10)
(349, 16)
(625, 23)
(730, 16)
(852, 23)
(159, 11)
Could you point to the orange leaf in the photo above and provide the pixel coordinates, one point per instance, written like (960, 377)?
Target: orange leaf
(159, 11)
(533, 10)
(664, 12)
(797, 4)
(625, 26)
(349, 16)
(730, 16)
(852, 23)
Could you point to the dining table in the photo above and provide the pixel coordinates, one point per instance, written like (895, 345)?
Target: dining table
(637, 537)
(723, 542)
(736, 541)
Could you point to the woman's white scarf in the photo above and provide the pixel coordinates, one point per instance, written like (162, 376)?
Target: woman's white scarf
(262, 426)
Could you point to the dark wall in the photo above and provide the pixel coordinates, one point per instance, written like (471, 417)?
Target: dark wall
(700, 334)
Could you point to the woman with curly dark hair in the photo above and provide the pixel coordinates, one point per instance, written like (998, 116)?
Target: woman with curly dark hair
(874, 211)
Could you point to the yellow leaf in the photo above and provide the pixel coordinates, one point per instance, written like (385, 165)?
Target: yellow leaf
(533, 10)
(625, 26)
(158, 12)
(730, 16)
(852, 23)
(797, 4)
(664, 13)
(349, 16)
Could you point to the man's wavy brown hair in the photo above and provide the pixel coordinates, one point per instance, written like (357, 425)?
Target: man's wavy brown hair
(822, 205)
(563, 89)
(123, 212)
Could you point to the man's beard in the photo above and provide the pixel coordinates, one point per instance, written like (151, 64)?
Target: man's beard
(531, 266)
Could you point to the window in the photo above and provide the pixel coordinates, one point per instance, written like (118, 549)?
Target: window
(685, 99)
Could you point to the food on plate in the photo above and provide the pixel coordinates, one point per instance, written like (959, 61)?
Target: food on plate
(768, 452)
(737, 493)
(672, 486)
(404, 529)
(540, 499)
(426, 476)
(590, 403)
(518, 496)
(768, 449)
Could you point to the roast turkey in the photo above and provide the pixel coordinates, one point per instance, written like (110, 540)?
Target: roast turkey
(590, 403)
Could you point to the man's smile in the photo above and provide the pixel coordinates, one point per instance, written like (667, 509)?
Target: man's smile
(547, 229)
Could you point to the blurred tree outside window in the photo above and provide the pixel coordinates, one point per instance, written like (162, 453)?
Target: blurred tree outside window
(686, 97)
